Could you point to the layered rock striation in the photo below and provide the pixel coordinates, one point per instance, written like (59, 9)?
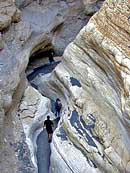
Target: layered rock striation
(93, 80)
(33, 111)
(98, 123)
(24, 31)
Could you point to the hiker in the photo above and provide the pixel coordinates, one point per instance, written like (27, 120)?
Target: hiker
(51, 55)
(69, 112)
(58, 107)
(49, 124)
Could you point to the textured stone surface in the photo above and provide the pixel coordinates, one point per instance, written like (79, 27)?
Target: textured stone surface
(22, 3)
(33, 111)
(4, 21)
(15, 155)
(99, 58)
(18, 43)
(97, 121)
(1, 43)
(92, 6)
(8, 13)
(33, 29)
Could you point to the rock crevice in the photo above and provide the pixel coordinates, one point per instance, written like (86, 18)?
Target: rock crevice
(92, 81)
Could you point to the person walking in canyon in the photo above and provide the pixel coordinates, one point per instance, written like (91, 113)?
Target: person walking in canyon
(58, 106)
(49, 124)
(51, 55)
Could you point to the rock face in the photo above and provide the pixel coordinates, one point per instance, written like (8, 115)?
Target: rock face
(23, 33)
(8, 13)
(98, 125)
(93, 80)
(22, 3)
(4, 21)
(33, 111)
(92, 6)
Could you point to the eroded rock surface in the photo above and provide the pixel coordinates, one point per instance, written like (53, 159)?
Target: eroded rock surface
(99, 59)
(15, 49)
(8, 13)
(28, 30)
(92, 6)
(96, 125)
(33, 111)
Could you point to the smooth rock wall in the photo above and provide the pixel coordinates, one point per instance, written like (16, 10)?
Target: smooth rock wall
(94, 80)
(20, 37)
(33, 111)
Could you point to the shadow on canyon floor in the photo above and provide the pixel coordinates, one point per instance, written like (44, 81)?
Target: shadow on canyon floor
(43, 147)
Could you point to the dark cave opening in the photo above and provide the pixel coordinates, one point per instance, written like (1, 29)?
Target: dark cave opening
(39, 62)
(42, 57)
(38, 59)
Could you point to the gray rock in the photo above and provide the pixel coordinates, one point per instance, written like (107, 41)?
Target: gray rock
(97, 121)
(50, 24)
(5, 21)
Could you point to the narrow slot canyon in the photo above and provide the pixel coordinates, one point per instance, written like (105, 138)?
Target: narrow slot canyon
(77, 51)
(39, 66)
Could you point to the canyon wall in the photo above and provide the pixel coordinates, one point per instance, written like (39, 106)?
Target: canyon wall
(93, 83)
(96, 128)
(25, 28)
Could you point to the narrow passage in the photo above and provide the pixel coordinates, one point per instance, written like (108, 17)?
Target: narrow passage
(43, 153)
(43, 147)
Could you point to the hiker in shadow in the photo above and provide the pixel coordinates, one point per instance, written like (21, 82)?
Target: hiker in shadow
(51, 56)
(49, 124)
(58, 106)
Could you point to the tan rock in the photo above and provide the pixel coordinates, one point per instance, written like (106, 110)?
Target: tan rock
(114, 157)
(99, 59)
(9, 9)
(17, 16)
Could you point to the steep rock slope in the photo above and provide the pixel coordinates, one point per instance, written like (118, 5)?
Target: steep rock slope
(99, 120)
(93, 80)
(33, 111)
(16, 47)
(20, 37)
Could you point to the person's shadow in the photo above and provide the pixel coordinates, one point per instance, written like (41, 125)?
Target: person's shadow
(43, 149)
(43, 152)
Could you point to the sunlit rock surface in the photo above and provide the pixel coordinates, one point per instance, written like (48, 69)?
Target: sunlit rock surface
(8, 13)
(33, 111)
(93, 80)
(16, 46)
